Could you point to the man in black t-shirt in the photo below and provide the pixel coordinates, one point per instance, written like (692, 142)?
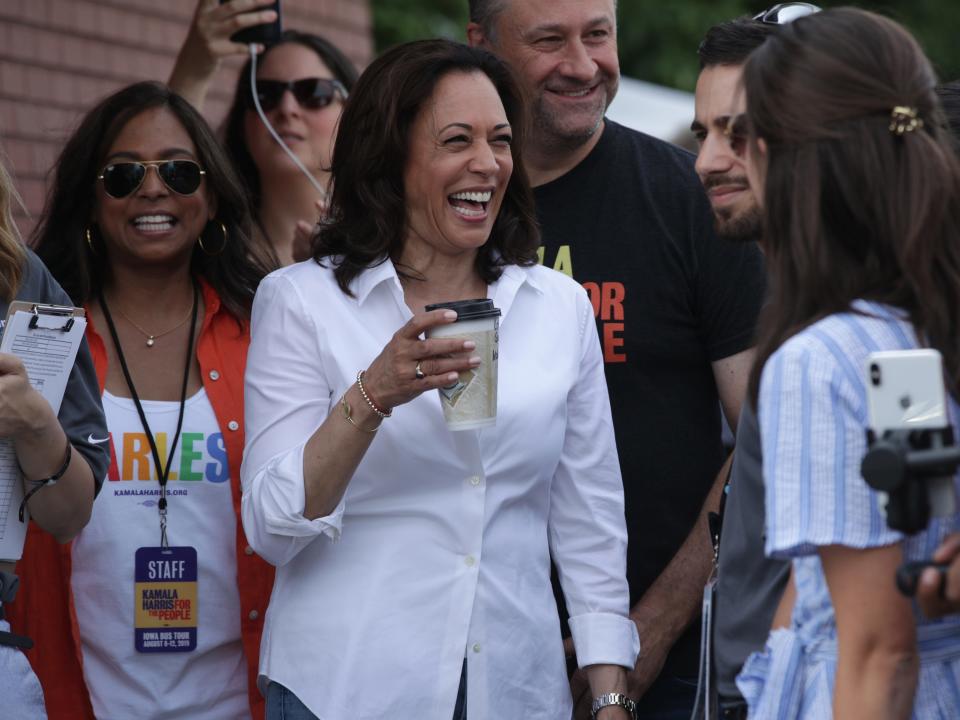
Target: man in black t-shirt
(625, 214)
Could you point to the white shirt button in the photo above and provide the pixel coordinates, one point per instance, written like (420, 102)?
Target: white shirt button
(475, 480)
(476, 647)
(233, 425)
(253, 615)
(470, 561)
(214, 375)
(248, 550)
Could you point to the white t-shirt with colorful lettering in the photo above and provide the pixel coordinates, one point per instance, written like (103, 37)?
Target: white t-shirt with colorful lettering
(210, 682)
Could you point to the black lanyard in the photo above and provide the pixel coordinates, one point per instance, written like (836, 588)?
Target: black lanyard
(162, 472)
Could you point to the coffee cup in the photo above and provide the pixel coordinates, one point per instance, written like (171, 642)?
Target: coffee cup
(471, 401)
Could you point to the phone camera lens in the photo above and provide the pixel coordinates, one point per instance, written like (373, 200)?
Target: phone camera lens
(875, 374)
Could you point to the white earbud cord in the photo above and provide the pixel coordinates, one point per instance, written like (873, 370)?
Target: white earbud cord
(263, 118)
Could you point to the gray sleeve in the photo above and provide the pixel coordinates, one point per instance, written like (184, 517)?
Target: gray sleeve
(81, 414)
(750, 584)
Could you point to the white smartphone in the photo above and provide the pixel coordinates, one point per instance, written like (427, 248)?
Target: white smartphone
(905, 391)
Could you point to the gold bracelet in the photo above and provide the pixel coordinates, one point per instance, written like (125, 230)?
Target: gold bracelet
(373, 406)
(345, 406)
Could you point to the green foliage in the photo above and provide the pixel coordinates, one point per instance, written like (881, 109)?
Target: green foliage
(397, 21)
(659, 38)
(660, 46)
(934, 23)
(658, 43)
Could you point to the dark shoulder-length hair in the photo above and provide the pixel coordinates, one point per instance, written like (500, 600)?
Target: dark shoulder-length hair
(81, 266)
(233, 133)
(367, 220)
(852, 207)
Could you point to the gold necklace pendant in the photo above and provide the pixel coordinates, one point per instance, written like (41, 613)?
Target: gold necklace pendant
(152, 338)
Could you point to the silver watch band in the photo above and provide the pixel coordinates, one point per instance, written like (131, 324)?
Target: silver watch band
(614, 698)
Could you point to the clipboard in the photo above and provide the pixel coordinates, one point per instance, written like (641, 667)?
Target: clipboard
(46, 338)
(40, 311)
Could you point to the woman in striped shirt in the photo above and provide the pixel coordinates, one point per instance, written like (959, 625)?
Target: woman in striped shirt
(861, 193)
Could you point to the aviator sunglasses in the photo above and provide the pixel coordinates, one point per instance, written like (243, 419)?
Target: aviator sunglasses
(311, 93)
(784, 13)
(123, 178)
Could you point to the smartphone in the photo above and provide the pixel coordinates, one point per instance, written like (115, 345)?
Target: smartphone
(905, 391)
(266, 34)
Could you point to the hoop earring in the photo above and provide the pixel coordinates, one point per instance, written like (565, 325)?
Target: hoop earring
(89, 241)
(223, 245)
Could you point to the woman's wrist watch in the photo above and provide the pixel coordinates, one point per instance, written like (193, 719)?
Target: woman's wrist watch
(616, 699)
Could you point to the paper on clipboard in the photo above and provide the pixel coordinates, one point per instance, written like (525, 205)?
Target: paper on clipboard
(46, 338)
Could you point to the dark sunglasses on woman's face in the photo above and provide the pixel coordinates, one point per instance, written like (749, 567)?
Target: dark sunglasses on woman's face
(310, 93)
(786, 13)
(123, 178)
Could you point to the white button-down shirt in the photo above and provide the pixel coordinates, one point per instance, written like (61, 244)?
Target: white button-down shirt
(442, 542)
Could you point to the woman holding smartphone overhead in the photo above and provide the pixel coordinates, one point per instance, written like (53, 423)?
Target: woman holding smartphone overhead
(146, 225)
(302, 82)
(860, 189)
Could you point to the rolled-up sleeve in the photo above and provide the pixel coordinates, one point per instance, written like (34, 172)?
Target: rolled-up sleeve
(588, 535)
(286, 398)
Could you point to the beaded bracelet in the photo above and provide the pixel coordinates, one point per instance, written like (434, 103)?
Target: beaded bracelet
(373, 406)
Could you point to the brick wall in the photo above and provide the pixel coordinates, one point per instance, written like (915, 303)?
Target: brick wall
(58, 57)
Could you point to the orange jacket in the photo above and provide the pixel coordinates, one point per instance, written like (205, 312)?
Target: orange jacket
(44, 608)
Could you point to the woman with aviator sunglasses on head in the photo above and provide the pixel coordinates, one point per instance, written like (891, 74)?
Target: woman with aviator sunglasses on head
(147, 226)
(302, 82)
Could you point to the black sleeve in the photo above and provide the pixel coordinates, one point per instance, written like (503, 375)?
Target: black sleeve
(730, 289)
(81, 413)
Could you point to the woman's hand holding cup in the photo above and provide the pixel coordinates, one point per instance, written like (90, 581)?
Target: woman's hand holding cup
(392, 379)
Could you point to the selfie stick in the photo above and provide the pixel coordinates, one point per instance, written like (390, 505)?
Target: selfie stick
(905, 465)
(263, 118)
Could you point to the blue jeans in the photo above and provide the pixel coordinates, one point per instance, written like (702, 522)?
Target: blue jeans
(284, 705)
(669, 698)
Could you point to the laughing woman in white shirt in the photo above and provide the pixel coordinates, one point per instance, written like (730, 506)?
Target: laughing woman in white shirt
(413, 561)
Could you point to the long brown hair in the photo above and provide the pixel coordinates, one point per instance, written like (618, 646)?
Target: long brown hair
(11, 248)
(81, 266)
(852, 209)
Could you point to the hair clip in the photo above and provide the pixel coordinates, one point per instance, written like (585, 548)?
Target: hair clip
(904, 119)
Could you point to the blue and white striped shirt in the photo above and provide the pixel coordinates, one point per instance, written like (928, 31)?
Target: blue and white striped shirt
(813, 421)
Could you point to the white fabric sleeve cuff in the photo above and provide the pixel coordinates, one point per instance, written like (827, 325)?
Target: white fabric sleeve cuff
(283, 499)
(605, 639)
